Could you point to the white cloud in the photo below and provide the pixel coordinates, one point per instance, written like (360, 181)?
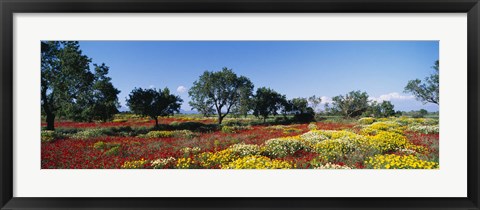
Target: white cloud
(181, 89)
(392, 96)
(151, 86)
(326, 99)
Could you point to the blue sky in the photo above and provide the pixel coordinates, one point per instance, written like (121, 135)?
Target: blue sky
(293, 68)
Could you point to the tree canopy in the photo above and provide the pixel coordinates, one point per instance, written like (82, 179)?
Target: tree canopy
(383, 109)
(68, 87)
(314, 102)
(428, 90)
(153, 103)
(65, 79)
(223, 89)
(244, 103)
(104, 95)
(300, 106)
(353, 104)
(267, 102)
(202, 105)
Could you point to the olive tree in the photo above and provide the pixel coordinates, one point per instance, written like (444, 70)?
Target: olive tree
(65, 78)
(428, 90)
(267, 102)
(153, 103)
(352, 104)
(224, 89)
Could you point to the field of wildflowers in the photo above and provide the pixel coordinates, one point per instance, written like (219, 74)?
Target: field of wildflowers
(130, 142)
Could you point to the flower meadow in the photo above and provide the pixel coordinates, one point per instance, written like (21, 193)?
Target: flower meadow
(182, 142)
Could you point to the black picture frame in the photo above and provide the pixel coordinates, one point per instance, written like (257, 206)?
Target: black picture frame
(10, 7)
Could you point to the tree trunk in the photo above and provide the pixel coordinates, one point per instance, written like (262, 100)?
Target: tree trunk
(219, 113)
(264, 120)
(220, 119)
(48, 110)
(156, 122)
(50, 121)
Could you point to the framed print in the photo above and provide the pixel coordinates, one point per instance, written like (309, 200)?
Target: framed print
(239, 105)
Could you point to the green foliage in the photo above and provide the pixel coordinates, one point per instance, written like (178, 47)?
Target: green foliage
(90, 133)
(104, 100)
(100, 132)
(69, 89)
(194, 126)
(427, 91)
(228, 129)
(314, 102)
(244, 103)
(113, 151)
(65, 96)
(119, 120)
(67, 131)
(383, 109)
(224, 89)
(50, 136)
(234, 128)
(168, 134)
(423, 112)
(353, 104)
(300, 106)
(366, 120)
(124, 131)
(387, 109)
(202, 104)
(267, 102)
(153, 103)
(304, 117)
(417, 114)
(159, 134)
(99, 145)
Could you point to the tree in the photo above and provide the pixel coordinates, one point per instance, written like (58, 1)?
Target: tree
(65, 77)
(153, 103)
(373, 110)
(302, 112)
(286, 106)
(423, 112)
(417, 114)
(299, 105)
(266, 102)
(427, 91)
(96, 101)
(387, 109)
(202, 105)
(314, 102)
(329, 110)
(104, 95)
(223, 89)
(353, 104)
(383, 109)
(398, 113)
(244, 103)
